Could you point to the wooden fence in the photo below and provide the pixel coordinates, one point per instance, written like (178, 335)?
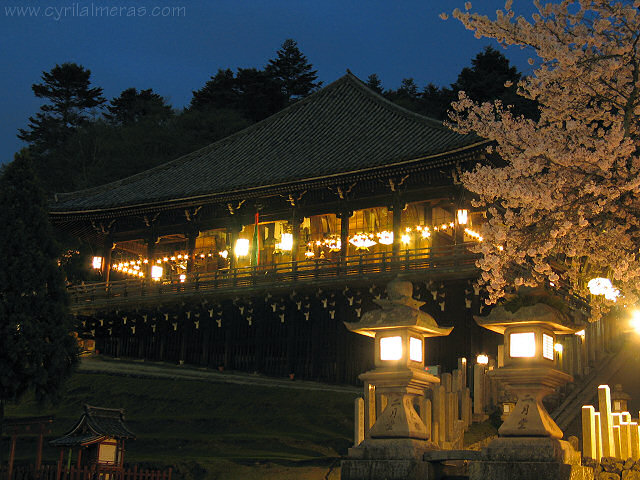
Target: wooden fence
(94, 472)
(449, 259)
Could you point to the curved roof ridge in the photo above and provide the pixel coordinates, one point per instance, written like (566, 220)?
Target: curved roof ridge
(207, 148)
(343, 128)
(394, 106)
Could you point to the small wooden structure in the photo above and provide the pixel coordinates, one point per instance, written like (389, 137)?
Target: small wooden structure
(99, 438)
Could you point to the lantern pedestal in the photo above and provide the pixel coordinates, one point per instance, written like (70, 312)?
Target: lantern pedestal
(530, 385)
(399, 419)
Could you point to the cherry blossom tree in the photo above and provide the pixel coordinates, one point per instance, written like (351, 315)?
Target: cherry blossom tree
(563, 194)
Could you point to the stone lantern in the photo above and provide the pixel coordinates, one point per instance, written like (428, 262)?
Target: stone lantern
(619, 399)
(397, 440)
(529, 444)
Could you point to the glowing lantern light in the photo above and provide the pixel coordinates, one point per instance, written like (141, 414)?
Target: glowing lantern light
(362, 241)
(223, 253)
(391, 348)
(242, 247)
(603, 286)
(415, 349)
(405, 239)
(156, 272)
(482, 359)
(286, 241)
(97, 263)
(558, 347)
(522, 344)
(463, 216)
(580, 333)
(183, 278)
(635, 321)
(385, 237)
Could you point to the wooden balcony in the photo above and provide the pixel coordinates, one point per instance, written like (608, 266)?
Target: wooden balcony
(446, 262)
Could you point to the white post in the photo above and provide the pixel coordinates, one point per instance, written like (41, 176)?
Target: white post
(606, 422)
(596, 418)
(589, 448)
(635, 441)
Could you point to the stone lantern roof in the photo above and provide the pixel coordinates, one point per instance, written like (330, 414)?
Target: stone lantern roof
(500, 319)
(399, 310)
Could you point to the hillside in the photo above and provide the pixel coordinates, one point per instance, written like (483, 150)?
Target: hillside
(212, 430)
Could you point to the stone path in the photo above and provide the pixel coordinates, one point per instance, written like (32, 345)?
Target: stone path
(104, 365)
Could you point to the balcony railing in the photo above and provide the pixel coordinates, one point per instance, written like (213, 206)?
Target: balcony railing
(450, 260)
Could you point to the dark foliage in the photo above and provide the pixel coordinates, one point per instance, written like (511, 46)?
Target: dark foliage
(293, 72)
(37, 350)
(67, 88)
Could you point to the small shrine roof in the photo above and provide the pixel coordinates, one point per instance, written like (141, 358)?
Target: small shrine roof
(96, 424)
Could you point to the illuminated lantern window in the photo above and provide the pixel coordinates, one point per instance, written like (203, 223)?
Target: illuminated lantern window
(524, 345)
(463, 216)
(223, 254)
(391, 348)
(242, 247)
(547, 346)
(156, 272)
(482, 359)
(558, 347)
(405, 239)
(183, 277)
(97, 263)
(415, 349)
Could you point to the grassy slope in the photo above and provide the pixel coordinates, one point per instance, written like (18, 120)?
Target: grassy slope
(232, 431)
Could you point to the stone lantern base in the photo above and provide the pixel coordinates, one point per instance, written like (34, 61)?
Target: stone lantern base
(529, 458)
(389, 459)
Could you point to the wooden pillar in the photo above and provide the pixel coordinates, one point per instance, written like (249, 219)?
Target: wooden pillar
(12, 454)
(151, 242)
(397, 225)
(344, 217)
(106, 258)
(59, 466)
(40, 443)
(296, 219)
(232, 236)
(79, 462)
(192, 234)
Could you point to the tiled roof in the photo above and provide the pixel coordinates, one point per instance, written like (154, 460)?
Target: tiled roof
(95, 424)
(343, 128)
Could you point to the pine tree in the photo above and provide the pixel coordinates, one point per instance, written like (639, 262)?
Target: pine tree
(70, 96)
(374, 83)
(37, 351)
(292, 69)
(133, 106)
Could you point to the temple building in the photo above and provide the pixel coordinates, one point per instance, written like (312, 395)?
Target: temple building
(252, 252)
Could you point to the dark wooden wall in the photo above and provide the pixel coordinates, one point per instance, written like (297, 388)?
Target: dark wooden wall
(300, 333)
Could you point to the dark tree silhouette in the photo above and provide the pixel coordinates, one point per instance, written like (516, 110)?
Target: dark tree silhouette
(133, 106)
(67, 88)
(37, 350)
(294, 72)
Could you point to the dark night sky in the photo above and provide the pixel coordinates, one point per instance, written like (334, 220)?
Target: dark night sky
(177, 54)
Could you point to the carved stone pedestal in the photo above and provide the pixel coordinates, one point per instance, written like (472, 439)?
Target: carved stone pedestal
(529, 458)
(389, 459)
